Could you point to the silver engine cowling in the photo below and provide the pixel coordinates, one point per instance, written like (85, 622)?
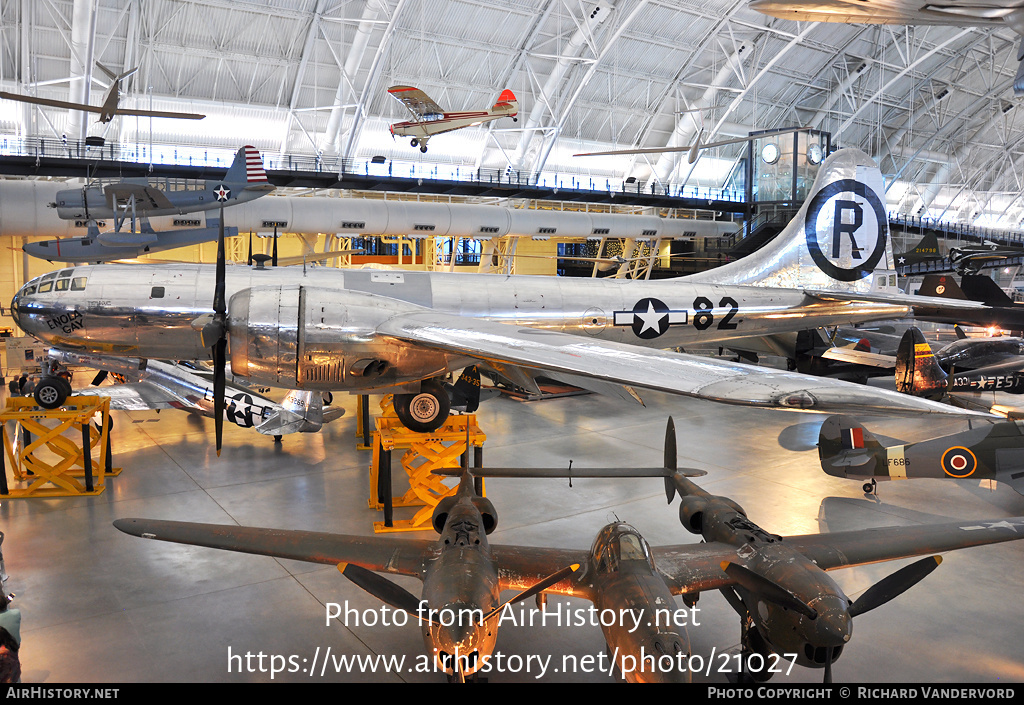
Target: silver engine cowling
(322, 339)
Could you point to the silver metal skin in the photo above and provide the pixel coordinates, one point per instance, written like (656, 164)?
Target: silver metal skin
(362, 330)
(157, 384)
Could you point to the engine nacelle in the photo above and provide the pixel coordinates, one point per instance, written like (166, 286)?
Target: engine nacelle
(700, 515)
(488, 514)
(323, 339)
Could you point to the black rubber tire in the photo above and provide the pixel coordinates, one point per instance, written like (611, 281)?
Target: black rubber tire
(414, 142)
(423, 148)
(50, 393)
(425, 411)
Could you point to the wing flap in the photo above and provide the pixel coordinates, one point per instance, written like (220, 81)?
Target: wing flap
(501, 344)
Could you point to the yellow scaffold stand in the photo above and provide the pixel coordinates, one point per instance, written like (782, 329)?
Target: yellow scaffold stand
(49, 461)
(424, 453)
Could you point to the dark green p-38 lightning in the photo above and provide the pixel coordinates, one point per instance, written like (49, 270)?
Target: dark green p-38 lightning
(791, 610)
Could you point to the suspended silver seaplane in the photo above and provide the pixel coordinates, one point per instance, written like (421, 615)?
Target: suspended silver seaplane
(404, 332)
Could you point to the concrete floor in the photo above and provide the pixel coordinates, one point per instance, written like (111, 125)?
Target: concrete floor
(103, 607)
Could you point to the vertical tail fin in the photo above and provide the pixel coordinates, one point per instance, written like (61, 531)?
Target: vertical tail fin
(247, 167)
(917, 371)
(978, 287)
(507, 100)
(846, 448)
(941, 285)
(839, 240)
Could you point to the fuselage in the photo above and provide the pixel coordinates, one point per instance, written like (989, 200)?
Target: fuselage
(90, 203)
(329, 316)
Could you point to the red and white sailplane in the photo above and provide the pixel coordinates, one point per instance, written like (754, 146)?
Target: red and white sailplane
(429, 119)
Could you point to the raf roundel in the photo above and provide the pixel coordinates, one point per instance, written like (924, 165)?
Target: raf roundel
(846, 229)
(959, 462)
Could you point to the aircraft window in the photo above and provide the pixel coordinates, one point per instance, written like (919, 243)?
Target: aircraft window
(631, 548)
(78, 283)
(61, 285)
(29, 290)
(47, 277)
(45, 287)
(157, 292)
(66, 272)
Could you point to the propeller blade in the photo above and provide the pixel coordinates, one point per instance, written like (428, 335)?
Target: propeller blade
(535, 589)
(249, 261)
(894, 585)
(219, 332)
(828, 666)
(383, 589)
(765, 588)
(98, 379)
(273, 259)
(670, 459)
(695, 149)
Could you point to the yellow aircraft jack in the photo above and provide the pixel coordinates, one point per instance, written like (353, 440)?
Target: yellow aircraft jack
(424, 453)
(49, 460)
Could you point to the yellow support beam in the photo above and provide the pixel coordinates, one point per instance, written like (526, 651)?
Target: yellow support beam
(424, 453)
(48, 459)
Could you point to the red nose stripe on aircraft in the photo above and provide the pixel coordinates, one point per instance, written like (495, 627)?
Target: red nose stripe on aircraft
(254, 165)
(853, 438)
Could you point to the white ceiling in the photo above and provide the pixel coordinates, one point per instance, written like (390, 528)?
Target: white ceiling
(308, 76)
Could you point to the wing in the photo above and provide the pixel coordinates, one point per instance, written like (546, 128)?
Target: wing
(146, 197)
(158, 114)
(51, 103)
(966, 14)
(136, 396)
(504, 346)
(522, 567)
(850, 548)
(697, 567)
(860, 357)
(416, 101)
(384, 554)
(703, 145)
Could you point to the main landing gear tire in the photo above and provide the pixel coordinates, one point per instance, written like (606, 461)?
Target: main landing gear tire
(52, 392)
(414, 142)
(426, 411)
(423, 148)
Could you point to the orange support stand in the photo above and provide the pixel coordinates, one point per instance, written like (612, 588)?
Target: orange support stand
(424, 453)
(49, 458)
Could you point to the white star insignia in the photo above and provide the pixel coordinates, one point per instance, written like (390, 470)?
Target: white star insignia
(652, 319)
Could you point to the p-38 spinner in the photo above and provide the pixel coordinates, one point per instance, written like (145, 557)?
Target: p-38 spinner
(403, 332)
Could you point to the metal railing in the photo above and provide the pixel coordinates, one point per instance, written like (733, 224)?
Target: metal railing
(158, 154)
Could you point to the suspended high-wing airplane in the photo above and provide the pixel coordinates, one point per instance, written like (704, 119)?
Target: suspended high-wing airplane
(137, 201)
(157, 384)
(693, 150)
(984, 13)
(404, 332)
(109, 107)
(791, 608)
(430, 119)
